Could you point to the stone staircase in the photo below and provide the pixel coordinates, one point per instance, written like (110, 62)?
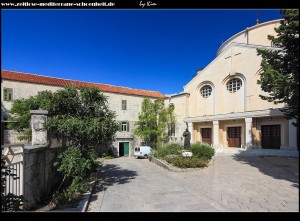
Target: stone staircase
(257, 152)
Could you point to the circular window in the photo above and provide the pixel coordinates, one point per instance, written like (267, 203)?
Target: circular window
(234, 85)
(206, 91)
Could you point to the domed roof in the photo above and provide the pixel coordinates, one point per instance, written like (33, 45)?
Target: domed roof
(255, 35)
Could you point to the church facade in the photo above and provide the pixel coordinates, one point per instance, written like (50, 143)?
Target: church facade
(220, 105)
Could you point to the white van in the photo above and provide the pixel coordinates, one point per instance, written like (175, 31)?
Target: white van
(142, 151)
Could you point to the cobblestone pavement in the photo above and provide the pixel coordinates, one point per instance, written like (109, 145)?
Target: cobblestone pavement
(233, 182)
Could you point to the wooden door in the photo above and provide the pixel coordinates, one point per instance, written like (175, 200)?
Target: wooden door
(126, 149)
(121, 149)
(206, 135)
(234, 136)
(270, 136)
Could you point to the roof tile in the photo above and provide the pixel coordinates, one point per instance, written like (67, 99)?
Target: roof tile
(38, 79)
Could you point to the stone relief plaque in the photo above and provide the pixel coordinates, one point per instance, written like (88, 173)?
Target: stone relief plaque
(38, 123)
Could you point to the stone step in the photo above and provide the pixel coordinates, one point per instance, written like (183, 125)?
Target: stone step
(257, 152)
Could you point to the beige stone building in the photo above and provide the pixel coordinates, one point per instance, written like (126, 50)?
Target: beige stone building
(221, 104)
(126, 102)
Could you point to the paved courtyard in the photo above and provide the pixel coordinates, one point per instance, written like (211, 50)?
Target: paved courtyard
(233, 182)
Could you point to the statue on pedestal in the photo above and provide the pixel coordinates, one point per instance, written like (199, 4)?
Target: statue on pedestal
(187, 137)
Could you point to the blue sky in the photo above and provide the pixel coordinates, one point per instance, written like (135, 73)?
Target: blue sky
(156, 50)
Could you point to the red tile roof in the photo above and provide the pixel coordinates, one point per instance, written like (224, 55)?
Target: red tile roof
(38, 79)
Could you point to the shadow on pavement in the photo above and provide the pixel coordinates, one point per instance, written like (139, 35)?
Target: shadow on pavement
(284, 168)
(113, 174)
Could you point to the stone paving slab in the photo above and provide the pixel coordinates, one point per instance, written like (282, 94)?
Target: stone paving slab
(238, 180)
(233, 182)
(154, 190)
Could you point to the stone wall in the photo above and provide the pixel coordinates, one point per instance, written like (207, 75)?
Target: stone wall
(40, 175)
(181, 105)
(11, 137)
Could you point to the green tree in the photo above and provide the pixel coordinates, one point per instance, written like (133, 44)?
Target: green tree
(82, 117)
(20, 112)
(79, 116)
(154, 121)
(280, 76)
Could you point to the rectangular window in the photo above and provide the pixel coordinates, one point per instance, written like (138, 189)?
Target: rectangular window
(125, 126)
(124, 104)
(8, 94)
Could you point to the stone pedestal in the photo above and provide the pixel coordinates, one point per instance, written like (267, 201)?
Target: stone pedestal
(38, 121)
(187, 153)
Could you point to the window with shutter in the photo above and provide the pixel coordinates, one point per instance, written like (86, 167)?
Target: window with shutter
(8, 94)
(124, 104)
(127, 126)
(120, 126)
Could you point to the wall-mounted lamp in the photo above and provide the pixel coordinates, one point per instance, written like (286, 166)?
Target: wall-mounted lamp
(270, 118)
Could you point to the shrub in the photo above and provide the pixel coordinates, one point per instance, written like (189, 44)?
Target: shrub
(170, 149)
(107, 153)
(110, 152)
(185, 162)
(78, 168)
(202, 150)
(170, 158)
(108, 157)
(73, 163)
(68, 196)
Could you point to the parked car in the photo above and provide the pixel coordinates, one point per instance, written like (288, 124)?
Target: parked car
(142, 152)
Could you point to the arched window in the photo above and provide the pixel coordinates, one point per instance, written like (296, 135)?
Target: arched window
(234, 84)
(206, 91)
